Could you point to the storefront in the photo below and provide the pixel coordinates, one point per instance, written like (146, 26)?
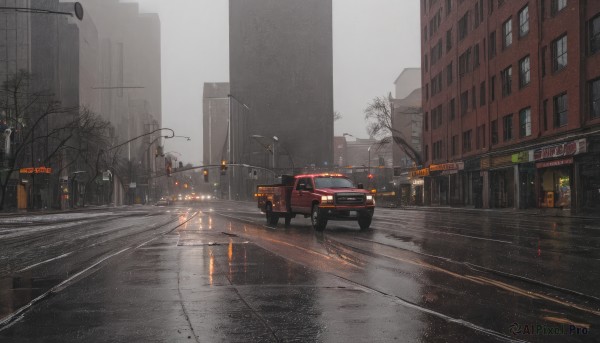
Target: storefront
(555, 165)
(472, 183)
(445, 184)
(556, 182)
(526, 183)
(419, 192)
(502, 182)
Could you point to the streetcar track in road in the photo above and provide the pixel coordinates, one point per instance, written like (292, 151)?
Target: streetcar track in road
(19, 313)
(403, 302)
(472, 278)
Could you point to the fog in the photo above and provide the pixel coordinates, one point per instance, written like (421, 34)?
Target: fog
(370, 41)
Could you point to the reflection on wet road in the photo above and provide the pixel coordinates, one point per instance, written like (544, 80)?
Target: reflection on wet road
(417, 276)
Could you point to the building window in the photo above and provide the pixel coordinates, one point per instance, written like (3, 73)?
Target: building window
(494, 132)
(467, 141)
(492, 45)
(507, 33)
(483, 135)
(437, 150)
(595, 34)
(506, 81)
(482, 94)
(476, 14)
(426, 63)
(508, 127)
(464, 62)
(454, 145)
(524, 72)
(426, 152)
(436, 84)
(436, 117)
(559, 53)
(436, 52)
(448, 7)
(525, 122)
(473, 98)
(426, 121)
(425, 34)
(449, 76)
(427, 91)
(463, 26)
(595, 99)
(464, 103)
(561, 110)
(545, 112)
(493, 88)
(448, 40)
(476, 56)
(524, 21)
(452, 109)
(558, 5)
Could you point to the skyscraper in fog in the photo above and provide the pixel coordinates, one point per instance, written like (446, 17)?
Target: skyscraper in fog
(281, 76)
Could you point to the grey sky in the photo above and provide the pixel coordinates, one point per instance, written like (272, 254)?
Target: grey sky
(373, 40)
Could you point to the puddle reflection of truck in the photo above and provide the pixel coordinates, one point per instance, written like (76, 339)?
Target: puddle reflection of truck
(322, 197)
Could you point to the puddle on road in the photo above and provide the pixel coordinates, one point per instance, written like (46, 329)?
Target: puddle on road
(17, 292)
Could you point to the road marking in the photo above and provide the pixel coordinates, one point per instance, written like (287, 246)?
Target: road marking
(44, 262)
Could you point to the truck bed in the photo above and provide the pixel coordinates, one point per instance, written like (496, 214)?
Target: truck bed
(278, 195)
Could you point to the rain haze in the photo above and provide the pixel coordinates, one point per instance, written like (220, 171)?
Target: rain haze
(370, 43)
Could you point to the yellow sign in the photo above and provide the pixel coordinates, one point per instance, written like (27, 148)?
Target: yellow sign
(420, 172)
(445, 166)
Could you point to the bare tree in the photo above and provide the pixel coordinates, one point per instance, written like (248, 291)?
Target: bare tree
(45, 133)
(378, 115)
(337, 116)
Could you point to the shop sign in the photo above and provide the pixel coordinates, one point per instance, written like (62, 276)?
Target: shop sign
(38, 170)
(556, 163)
(418, 182)
(442, 167)
(522, 157)
(420, 172)
(449, 172)
(501, 161)
(560, 150)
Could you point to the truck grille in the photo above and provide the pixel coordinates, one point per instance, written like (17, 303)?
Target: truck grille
(349, 199)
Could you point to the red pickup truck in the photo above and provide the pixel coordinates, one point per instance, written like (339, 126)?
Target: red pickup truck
(321, 197)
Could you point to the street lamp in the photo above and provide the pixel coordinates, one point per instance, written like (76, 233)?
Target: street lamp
(231, 151)
(272, 149)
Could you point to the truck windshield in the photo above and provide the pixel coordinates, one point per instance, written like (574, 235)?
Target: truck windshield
(333, 182)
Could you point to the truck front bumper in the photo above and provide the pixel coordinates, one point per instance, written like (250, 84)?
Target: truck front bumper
(346, 213)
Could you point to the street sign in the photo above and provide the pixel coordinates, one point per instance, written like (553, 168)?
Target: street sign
(132, 185)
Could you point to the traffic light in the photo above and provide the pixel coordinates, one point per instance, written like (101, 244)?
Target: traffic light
(168, 167)
(205, 174)
(370, 176)
(223, 165)
(180, 165)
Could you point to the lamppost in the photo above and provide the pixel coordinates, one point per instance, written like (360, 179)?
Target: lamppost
(229, 134)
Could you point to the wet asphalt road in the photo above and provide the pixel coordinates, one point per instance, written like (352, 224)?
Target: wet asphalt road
(215, 273)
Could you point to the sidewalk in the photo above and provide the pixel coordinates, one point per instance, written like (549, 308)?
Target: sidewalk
(21, 213)
(530, 212)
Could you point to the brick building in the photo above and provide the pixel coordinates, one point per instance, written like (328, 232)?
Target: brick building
(512, 103)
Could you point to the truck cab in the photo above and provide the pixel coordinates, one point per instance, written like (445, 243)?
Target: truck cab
(322, 197)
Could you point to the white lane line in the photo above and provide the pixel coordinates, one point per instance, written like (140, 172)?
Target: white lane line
(44, 262)
(54, 289)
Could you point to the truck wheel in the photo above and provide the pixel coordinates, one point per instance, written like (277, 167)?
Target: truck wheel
(318, 220)
(288, 220)
(272, 218)
(364, 221)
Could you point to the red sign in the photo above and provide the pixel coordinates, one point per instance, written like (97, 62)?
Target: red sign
(39, 170)
(556, 163)
(560, 150)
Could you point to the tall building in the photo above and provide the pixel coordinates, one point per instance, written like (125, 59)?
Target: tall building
(281, 76)
(215, 119)
(511, 100)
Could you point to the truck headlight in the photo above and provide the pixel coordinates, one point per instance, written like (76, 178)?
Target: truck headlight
(370, 199)
(327, 199)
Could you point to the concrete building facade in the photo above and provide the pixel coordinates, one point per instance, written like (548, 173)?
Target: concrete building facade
(281, 76)
(511, 103)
